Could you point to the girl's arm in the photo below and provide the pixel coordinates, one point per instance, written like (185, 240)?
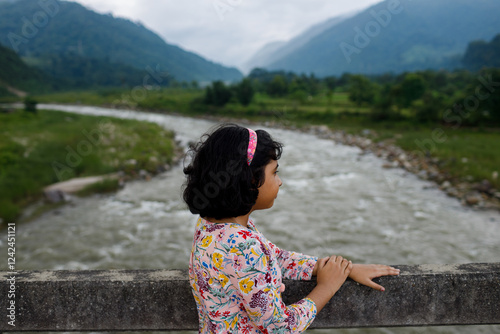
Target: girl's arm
(294, 265)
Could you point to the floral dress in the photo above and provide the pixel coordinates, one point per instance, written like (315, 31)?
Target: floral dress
(236, 277)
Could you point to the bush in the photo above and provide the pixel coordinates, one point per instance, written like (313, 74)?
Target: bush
(218, 94)
(30, 104)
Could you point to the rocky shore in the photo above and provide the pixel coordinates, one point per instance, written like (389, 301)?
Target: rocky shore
(479, 195)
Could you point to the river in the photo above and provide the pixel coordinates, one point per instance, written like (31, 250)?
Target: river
(334, 200)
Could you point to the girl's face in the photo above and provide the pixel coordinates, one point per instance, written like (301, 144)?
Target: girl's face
(269, 190)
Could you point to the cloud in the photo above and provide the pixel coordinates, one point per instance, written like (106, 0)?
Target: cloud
(226, 31)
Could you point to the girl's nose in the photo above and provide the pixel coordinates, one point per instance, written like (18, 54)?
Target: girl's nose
(279, 181)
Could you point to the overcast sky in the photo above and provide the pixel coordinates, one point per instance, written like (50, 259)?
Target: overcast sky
(226, 31)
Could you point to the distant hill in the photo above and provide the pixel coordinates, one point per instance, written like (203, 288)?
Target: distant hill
(274, 51)
(418, 35)
(17, 78)
(63, 73)
(63, 28)
(482, 54)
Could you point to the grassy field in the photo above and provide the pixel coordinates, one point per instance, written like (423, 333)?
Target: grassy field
(472, 154)
(50, 146)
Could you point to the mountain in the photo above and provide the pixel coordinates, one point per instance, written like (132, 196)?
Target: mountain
(263, 56)
(396, 36)
(50, 27)
(274, 51)
(482, 54)
(16, 78)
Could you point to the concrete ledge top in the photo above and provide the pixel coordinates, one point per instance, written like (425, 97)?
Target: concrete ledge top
(161, 300)
(121, 275)
(128, 275)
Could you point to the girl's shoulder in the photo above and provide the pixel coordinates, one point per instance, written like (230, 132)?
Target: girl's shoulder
(232, 233)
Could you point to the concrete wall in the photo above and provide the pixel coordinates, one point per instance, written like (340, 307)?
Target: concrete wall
(142, 300)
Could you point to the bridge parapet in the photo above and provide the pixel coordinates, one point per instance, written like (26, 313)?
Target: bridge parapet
(158, 300)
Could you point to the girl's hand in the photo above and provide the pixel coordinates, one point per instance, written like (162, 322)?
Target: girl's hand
(364, 273)
(332, 272)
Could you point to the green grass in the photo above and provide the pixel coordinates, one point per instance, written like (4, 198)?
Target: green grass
(39, 149)
(173, 99)
(471, 154)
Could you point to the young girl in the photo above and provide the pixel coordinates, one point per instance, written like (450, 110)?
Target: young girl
(235, 272)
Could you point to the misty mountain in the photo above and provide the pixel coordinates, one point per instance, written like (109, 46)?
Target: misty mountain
(274, 51)
(43, 29)
(396, 36)
(15, 76)
(481, 54)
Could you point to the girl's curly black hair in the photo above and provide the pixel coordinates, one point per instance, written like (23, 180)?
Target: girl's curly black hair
(220, 184)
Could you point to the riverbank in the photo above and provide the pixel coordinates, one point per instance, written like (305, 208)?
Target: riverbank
(480, 195)
(40, 149)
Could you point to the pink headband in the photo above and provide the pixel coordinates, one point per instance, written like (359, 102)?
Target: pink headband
(252, 145)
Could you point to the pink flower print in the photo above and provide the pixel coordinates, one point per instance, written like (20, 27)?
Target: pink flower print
(220, 236)
(238, 262)
(261, 279)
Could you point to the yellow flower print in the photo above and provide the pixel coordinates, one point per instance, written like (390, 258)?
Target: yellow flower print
(254, 252)
(235, 321)
(223, 279)
(246, 285)
(217, 258)
(206, 241)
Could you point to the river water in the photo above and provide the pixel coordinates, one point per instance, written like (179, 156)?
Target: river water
(334, 200)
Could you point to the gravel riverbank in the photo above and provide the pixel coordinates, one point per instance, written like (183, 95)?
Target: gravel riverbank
(480, 195)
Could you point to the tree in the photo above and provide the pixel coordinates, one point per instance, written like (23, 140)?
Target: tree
(245, 92)
(411, 89)
(361, 90)
(383, 105)
(277, 86)
(217, 94)
(490, 106)
(428, 108)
